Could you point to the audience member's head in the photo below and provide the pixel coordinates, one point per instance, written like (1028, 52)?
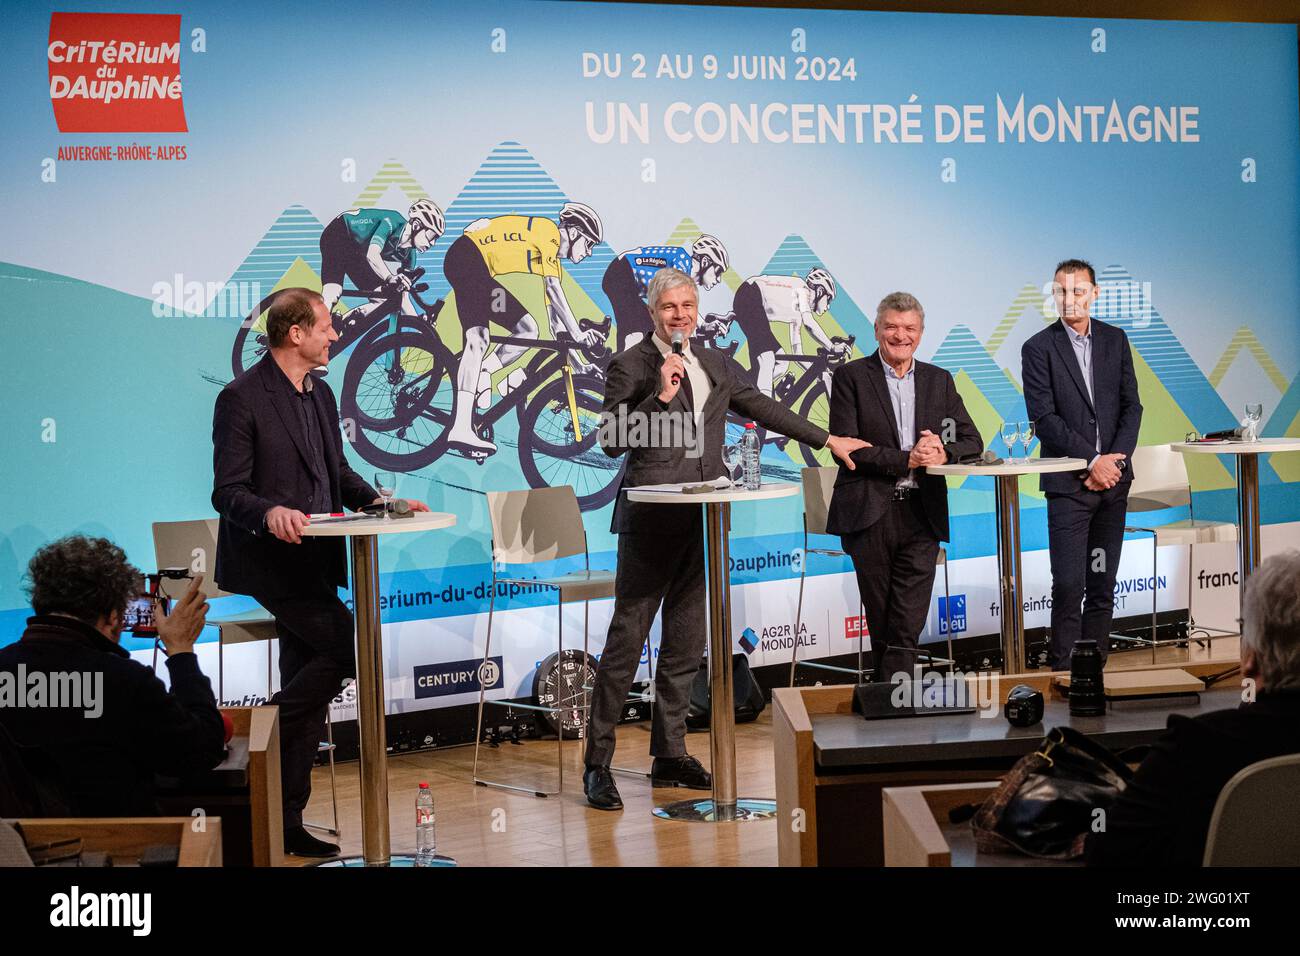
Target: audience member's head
(85, 578)
(1270, 632)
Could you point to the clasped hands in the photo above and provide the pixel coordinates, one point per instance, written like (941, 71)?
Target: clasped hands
(1104, 473)
(927, 451)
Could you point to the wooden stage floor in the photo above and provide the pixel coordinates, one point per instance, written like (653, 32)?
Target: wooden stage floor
(486, 826)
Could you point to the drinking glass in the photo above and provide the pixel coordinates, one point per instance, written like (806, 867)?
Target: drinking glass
(1026, 436)
(385, 484)
(1254, 412)
(1010, 433)
(733, 456)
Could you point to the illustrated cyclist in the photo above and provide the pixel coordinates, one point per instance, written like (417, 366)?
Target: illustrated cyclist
(626, 279)
(369, 246)
(764, 301)
(507, 245)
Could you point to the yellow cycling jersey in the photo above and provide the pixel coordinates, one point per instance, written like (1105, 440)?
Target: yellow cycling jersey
(528, 244)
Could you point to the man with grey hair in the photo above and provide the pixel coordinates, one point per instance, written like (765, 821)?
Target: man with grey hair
(1163, 816)
(661, 548)
(890, 515)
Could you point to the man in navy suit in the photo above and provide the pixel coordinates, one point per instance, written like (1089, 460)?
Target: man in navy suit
(277, 458)
(1081, 391)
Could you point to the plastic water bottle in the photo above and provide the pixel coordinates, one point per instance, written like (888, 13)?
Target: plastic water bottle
(425, 842)
(750, 461)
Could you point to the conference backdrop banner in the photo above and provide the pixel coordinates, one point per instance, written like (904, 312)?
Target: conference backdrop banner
(170, 166)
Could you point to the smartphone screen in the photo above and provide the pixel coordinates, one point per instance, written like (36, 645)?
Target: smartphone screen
(140, 618)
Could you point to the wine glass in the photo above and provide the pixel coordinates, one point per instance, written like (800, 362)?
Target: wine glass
(1010, 433)
(385, 484)
(733, 456)
(1026, 436)
(1254, 412)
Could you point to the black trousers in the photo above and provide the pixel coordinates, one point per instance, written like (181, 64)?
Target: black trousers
(652, 569)
(317, 654)
(895, 564)
(1085, 533)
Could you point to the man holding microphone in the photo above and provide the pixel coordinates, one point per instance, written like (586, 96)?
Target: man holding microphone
(277, 458)
(663, 386)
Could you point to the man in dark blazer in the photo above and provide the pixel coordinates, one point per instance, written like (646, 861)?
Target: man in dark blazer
(277, 458)
(890, 515)
(667, 412)
(1081, 392)
(1163, 817)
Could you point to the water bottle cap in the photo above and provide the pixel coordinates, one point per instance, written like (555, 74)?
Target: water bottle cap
(750, 425)
(424, 786)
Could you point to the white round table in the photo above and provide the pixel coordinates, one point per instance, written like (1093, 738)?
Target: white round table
(376, 844)
(1247, 454)
(1007, 509)
(722, 713)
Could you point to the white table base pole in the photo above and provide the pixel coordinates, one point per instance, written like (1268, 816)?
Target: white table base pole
(722, 711)
(1013, 616)
(1247, 522)
(375, 841)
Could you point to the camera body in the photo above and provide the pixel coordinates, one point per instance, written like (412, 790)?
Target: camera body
(1024, 706)
(140, 618)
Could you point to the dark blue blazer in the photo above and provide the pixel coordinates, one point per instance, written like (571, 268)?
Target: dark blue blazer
(861, 408)
(259, 460)
(1056, 398)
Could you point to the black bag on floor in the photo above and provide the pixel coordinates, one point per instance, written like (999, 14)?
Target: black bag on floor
(1047, 803)
(746, 693)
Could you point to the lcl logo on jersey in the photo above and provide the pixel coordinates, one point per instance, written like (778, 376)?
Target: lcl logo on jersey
(116, 72)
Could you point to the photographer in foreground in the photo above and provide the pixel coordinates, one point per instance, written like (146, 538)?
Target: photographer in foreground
(100, 721)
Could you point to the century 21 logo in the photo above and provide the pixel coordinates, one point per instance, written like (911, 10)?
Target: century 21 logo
(116, 72)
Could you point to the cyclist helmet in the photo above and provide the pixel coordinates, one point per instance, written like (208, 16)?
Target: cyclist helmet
(425, 212)
(709, 250)
(584, 219)
(819, 280)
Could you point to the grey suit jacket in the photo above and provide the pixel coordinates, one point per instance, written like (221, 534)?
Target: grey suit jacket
(632, 393)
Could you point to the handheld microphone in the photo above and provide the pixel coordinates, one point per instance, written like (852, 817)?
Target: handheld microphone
(397, 508)
(987, 457)
(1230, 434)
(677, 350)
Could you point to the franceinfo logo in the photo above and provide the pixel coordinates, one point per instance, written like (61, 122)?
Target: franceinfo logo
(67, 690)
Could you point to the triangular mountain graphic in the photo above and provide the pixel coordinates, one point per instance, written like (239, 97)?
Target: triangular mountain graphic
(1029, 300)
(1245, 339)
(1285, 421)
(294, 235)
(391, 175)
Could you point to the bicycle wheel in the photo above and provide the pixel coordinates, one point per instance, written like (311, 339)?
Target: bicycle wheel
(397, 399)
(551, 455)
(816, 408)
